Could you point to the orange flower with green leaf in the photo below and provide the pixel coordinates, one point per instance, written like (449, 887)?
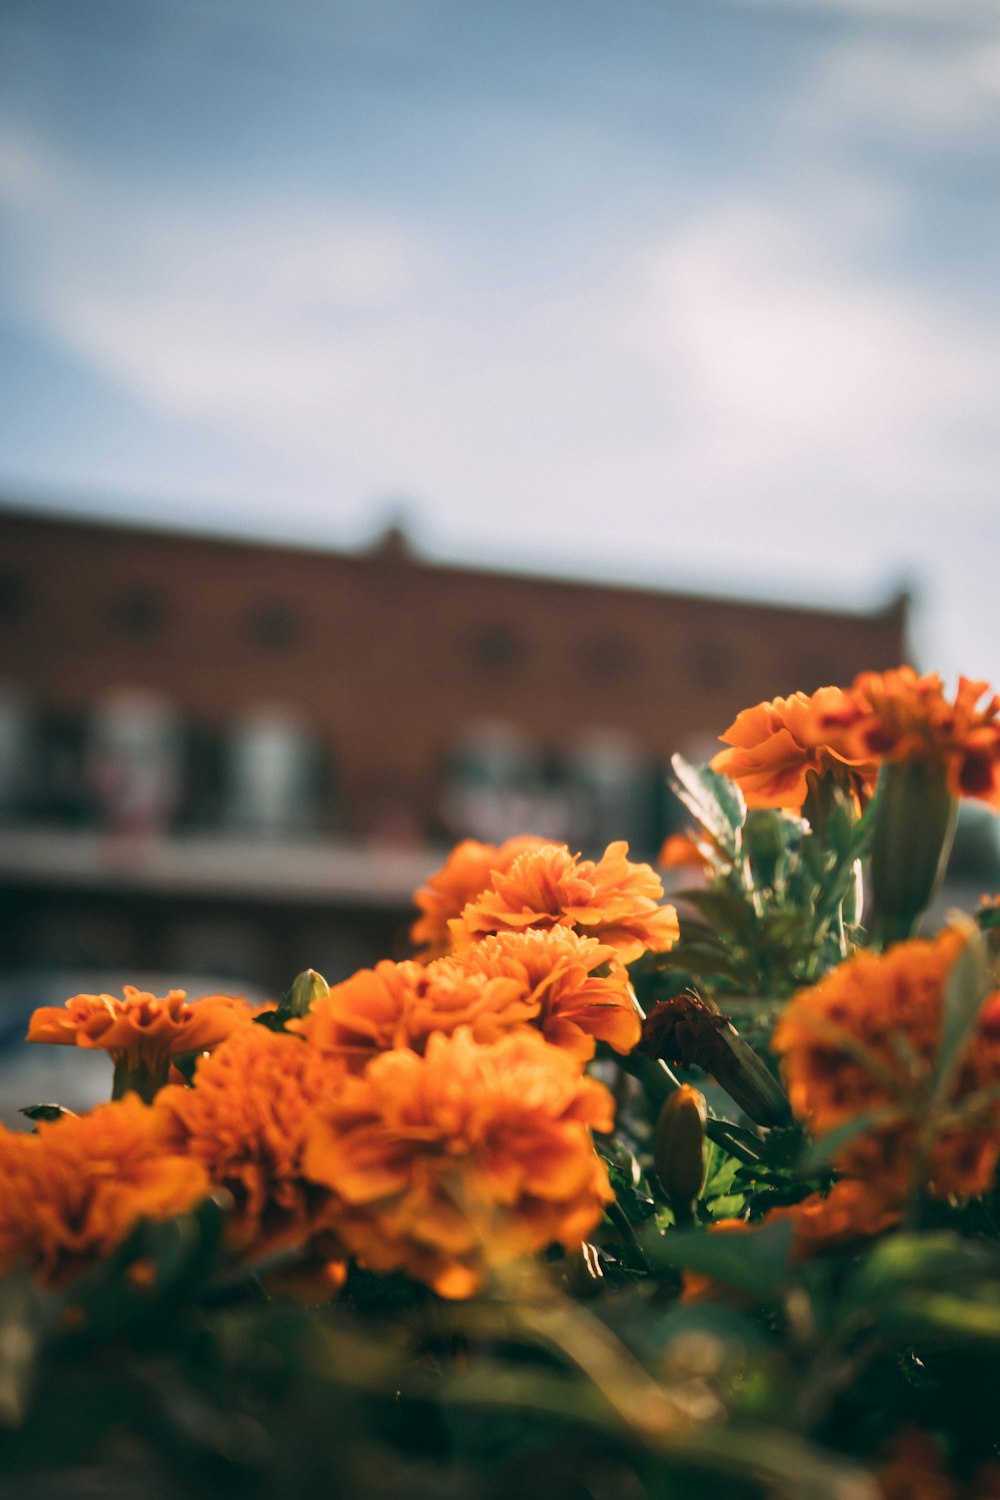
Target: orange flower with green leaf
(862, 1044)
(468, 870)
(611, 899)
(462, 1159)
(775, 746)
(141, 1032)
(71, 1193)
(245, 1122)
(900, 716)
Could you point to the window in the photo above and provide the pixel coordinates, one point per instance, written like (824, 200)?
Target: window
(138, 610)
(15, 596)
(496, 649)
(274, 624)
(608, 657)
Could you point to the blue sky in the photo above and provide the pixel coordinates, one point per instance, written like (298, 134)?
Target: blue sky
(694, 293)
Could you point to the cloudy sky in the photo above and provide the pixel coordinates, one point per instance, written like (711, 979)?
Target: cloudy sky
(697, 293)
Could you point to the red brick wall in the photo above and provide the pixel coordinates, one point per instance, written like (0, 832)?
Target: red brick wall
(389, 657)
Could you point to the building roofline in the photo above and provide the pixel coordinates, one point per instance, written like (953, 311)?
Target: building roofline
(392, 548)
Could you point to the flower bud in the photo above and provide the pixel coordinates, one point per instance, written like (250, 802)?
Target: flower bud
(914, 828)
(307, 988)
(679, 1150)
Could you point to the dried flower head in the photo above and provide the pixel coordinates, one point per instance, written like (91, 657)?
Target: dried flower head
(467, 1157)
(611, 899)
(75, 1190)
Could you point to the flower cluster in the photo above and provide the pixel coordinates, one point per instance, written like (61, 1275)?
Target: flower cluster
(429, 1115)
(73, 1191)
(845, 735)
(468, 1156)
(862, 1044)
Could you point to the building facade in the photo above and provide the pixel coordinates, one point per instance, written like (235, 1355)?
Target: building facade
(243, 733)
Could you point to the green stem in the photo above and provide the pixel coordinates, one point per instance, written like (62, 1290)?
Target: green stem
(135, 1076)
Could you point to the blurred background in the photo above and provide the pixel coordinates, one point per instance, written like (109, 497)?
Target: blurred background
(421, 417)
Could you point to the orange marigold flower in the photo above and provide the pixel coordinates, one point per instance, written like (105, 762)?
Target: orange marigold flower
(849, 1212)
(681, 852)
(555, 969)
(542, 979)
(852, 1210)
(467, 871)
(403, 1004)
(865, 1038)
(775, 745)
(75, 1190)
(245, 1121)
(899, 715)
(142, 1027)
(611, 899)
(467, 1157)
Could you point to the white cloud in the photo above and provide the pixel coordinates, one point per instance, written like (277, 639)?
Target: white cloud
(923, 90)
(783, 361)
(738, 392)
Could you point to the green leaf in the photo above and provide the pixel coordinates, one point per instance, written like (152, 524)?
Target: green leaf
(46, 1111)
(965, 990)
(186, 1063)
(715, 801)
(755, 1261)
(725, 911)
(273, 1020)
(626, 1179)
(921, 1260)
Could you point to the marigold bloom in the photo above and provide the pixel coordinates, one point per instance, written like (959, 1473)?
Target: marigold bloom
(865, 1038)
(775, 746)
(402, 1004)
(899, 715)
(540, 979)
(245, 1121)
(467, 1157)
(555, 969)
(75, 1190)
(148, 1030)
(852, 1210)
(468, 870)
(611, 899)
(681, 852)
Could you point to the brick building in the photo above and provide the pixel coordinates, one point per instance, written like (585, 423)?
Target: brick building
(266, 745)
